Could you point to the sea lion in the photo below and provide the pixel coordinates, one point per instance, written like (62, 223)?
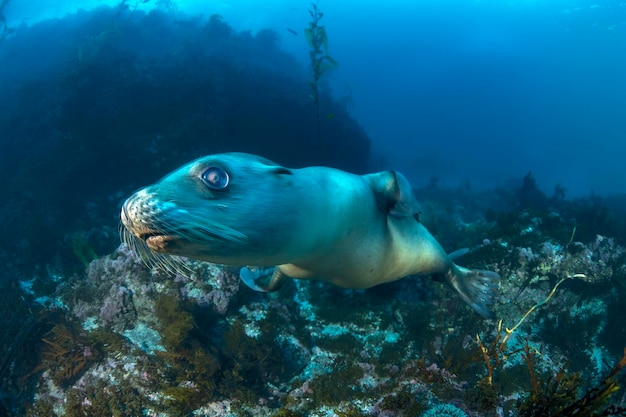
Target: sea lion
(354, 231)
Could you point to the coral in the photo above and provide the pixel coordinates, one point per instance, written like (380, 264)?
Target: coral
(445, 410)
(351, 411)
(119, 303)
(215, 287)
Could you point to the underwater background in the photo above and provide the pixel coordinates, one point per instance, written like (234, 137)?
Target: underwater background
(508, 118)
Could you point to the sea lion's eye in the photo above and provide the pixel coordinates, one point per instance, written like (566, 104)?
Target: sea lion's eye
(215, 178)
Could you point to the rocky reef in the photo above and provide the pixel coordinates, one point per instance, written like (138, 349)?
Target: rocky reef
(126, 340)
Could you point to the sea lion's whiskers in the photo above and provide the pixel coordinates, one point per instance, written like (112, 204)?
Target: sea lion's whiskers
(173, 264)
(153, 260)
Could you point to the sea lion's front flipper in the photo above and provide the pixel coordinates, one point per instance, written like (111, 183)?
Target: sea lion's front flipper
(395, 193)
(262, 279)
(458, 253)
(477, 287)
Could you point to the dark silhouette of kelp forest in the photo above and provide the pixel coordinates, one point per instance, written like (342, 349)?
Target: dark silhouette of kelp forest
(100, 103)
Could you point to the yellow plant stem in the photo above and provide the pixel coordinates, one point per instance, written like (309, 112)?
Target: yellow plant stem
(498, 357)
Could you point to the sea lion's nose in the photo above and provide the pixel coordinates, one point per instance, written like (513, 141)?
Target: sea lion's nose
(135, 215)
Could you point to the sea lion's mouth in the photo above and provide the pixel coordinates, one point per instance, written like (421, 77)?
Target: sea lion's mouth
(158, 242)
(147, 246)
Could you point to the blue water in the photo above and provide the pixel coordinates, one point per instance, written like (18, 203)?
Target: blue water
(465, 98)
(483, 91)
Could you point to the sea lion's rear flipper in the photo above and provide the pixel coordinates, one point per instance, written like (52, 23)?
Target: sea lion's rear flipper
(262, 279)
(478, 288)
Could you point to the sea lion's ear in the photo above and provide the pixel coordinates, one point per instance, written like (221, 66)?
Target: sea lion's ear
(394, 190)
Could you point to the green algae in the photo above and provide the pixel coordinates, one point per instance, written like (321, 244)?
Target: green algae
(81, 247)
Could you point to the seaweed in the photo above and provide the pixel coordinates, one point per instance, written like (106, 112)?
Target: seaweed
(22, 326)
(66, 353)
(105, 399)
(191, 376)
(250, 363)
(207, 359)
(483, 397)
(321, 62)
(496, 353)
(175, 322)
(558, 396)
(81, 248)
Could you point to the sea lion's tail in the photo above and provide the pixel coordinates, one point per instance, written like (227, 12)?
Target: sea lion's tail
(477, 287)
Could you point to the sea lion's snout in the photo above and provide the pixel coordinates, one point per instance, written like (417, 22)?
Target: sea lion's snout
(176, 220)
(140, 214)
(135, 211)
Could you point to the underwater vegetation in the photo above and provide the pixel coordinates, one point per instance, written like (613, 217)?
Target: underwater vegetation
(20, 330)
(65, 354)
(560, 395)
(321, 62)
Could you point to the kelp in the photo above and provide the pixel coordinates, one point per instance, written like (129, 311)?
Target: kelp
(321, 62)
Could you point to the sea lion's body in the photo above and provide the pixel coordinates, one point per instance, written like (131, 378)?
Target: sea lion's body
(311, 223)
